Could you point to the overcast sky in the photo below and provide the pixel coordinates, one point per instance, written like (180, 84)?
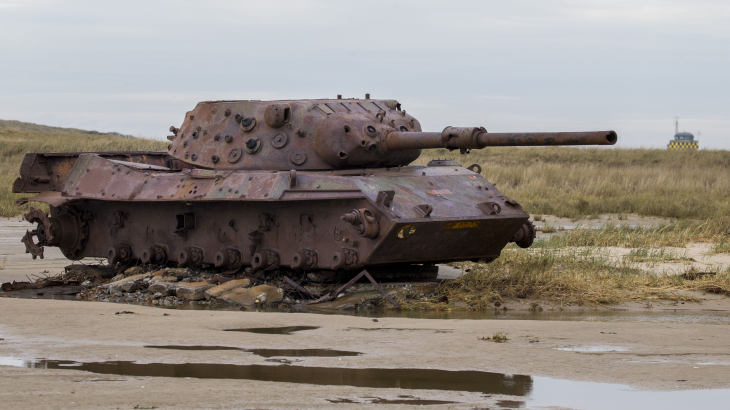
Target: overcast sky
(136, 67)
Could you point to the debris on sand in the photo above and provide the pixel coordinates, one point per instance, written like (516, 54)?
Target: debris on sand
(498, 337)
(172, 287)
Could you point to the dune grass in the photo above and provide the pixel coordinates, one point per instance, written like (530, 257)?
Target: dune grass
(677, 234)
(577, 182)
(585, 277)
(29, 126)
(15, 142)
(575, 267)
(722, 247)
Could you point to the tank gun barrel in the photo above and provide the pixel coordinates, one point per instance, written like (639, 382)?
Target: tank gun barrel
(477, 138)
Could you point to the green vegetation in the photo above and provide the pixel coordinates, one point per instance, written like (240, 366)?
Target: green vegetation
(17, 138)
(578, 182)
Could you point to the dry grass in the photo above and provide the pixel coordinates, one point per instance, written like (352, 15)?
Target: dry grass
(498, 337)
(547, 229)
(587, 277)
(577, 182)
(722, 247)
(574, 267)
(658, 255)
(15, 142)
(678, 234)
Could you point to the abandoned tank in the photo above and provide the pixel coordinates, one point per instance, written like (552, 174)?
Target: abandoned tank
(311, 185)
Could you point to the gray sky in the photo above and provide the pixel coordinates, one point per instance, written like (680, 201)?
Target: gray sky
(136, 67)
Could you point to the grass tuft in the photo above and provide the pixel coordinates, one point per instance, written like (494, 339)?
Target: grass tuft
(16, 142)
(676, 234)
(575, 276)
(498, 337)
(722, 247)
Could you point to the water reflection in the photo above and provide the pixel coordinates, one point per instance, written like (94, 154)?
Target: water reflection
(534, 391)
(432, 379)
(284, 330)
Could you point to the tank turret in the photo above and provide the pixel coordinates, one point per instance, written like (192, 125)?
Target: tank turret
(330, 134)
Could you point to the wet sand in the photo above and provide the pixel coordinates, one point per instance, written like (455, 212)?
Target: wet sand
(18, 265)
(631, 220)
(649, 355)
(643, 355)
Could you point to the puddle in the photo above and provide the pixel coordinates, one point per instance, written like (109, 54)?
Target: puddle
(408, 400)
(268, 352)
(656, 316)
(399, 328)
(664, 316)
(180, 347)
(47, 293)
(285, 330)
(510, 404)
(538, 391)
(417, 379)
(11, 361)
(593, 349)
(302, 352)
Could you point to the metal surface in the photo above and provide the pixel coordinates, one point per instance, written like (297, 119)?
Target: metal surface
(476, 138)
(305, 185)
(332, 296)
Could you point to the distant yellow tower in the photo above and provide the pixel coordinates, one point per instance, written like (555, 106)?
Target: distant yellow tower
(682, 140)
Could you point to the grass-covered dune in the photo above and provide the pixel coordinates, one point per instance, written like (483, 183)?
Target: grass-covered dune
(29, 126)
(574, 182)
(18, 138)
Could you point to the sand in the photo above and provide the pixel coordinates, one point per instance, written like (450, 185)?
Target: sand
(653, 356)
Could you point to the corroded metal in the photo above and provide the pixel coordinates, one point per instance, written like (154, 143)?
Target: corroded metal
(476, 138)
(307, 185)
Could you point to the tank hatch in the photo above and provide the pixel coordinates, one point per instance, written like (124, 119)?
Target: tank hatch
(295, 134)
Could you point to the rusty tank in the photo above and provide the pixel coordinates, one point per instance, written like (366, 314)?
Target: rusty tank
(309, 185)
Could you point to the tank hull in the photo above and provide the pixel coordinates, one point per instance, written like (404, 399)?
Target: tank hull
(308, 220)
(312, 226)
